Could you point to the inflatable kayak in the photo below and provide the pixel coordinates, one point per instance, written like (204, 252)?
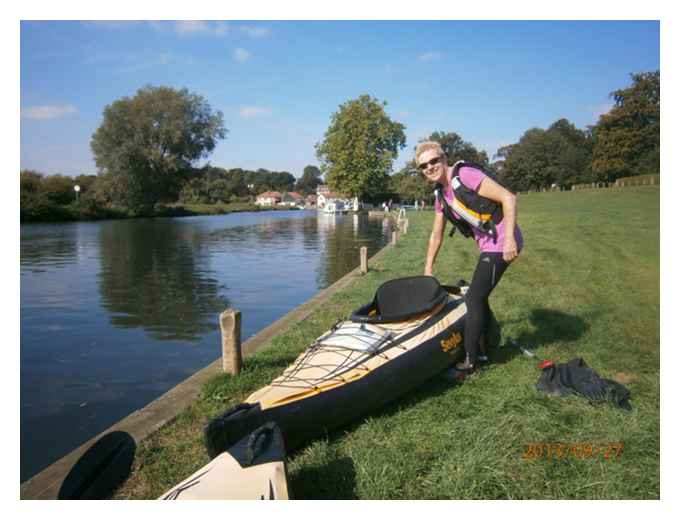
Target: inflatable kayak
(253, 469)
(412, 330)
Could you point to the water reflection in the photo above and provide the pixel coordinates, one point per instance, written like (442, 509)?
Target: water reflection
(115, 313)
(155, 275)
(47, 247)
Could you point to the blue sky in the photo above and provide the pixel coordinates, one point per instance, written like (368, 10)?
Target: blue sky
(278, 83)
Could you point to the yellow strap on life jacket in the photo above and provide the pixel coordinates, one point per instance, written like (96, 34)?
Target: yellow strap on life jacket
(484, 217)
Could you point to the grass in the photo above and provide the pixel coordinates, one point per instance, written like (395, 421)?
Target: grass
(586, 285)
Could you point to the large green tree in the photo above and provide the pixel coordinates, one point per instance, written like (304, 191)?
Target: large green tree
(627, 139)
(559, 155)
(410, 184)
(456, 149)
(311, 178)
(359, 147)
(147, 145)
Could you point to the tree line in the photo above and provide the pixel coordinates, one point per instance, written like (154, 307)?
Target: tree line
(624, 142)
(53, 198)
(147, 148)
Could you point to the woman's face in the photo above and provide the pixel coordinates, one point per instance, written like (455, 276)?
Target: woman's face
(432, 165)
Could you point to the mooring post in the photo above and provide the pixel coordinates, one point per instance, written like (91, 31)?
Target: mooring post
(230, 324)
(363, 259)
(394, 237)
(405, 226)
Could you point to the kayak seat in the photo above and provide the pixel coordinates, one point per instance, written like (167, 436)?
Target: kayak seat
(401, 299)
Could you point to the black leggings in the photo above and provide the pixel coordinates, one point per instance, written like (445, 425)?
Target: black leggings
(488, 272)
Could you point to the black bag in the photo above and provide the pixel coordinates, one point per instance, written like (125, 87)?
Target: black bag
(575, 377)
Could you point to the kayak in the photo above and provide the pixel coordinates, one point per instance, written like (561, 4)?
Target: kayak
(412, 330)
(253, 469)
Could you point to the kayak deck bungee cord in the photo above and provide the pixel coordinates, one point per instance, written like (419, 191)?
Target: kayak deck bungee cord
(412, 330)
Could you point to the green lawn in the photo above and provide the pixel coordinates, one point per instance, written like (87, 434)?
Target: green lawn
(586, 285)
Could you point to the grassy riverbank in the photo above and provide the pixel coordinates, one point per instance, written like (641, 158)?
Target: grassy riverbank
(587, 285)
(89, 211)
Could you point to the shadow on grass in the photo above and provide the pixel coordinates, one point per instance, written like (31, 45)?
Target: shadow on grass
(552, 326)
(549, 326)
(335, 480)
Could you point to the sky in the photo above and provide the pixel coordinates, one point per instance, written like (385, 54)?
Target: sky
(278, 83)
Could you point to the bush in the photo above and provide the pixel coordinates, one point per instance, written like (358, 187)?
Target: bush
(38, 207)
(59, 189)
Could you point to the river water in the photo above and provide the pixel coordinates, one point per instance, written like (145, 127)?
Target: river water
(115, 313)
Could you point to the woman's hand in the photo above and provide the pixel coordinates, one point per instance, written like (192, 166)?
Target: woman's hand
(509, 249)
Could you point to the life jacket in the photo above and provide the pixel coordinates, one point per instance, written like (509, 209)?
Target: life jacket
(475, 211)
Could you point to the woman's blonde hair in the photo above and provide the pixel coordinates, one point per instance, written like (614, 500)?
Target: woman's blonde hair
(429, 145)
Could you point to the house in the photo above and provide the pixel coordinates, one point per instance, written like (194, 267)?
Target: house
(310, 200)
(324, 198)
(268, 198)
(292, 198)
(324, 195)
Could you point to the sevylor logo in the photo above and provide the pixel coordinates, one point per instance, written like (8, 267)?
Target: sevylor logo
(451, 343)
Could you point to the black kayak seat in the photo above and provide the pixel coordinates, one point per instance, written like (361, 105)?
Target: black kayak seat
(401, 299)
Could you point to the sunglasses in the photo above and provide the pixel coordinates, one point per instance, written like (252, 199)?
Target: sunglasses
(431, 162)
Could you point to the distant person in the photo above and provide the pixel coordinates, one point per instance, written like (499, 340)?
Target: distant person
(468, 192)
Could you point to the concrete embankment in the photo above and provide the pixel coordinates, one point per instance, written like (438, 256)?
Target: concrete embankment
(142, 423)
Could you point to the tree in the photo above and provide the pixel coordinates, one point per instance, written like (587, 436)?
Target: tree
(559, 155)
(458, 150)
(59, 188)
(146, 146)
(410, 184)
(359, 147)
(571, 153)
(627, 139)
(311, 178)
(30, 181)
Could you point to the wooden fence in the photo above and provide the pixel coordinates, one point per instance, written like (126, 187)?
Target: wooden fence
(638, 180)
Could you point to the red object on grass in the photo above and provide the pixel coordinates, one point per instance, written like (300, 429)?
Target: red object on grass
(546, 363)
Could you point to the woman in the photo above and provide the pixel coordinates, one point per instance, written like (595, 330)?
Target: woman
(499, 242)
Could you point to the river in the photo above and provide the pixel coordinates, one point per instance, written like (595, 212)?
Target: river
(115, 313)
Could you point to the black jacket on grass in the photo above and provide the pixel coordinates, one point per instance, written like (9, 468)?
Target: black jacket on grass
(575, 377)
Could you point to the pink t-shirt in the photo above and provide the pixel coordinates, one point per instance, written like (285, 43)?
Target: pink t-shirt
(472, 178)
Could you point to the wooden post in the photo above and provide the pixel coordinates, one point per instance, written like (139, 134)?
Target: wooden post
(363, 259)
(405, 226)
(394, 237)
(230, 324)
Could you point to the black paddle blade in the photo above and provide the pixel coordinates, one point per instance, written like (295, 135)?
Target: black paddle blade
(101, 469)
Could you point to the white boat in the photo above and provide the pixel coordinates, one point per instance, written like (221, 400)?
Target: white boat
(335, 207)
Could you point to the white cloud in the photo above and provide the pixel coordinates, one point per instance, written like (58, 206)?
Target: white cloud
(242, 55)
(43, 112)
(187, 27)
(429, 56)
(248, 112)
(254, 32)
(207, 28)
